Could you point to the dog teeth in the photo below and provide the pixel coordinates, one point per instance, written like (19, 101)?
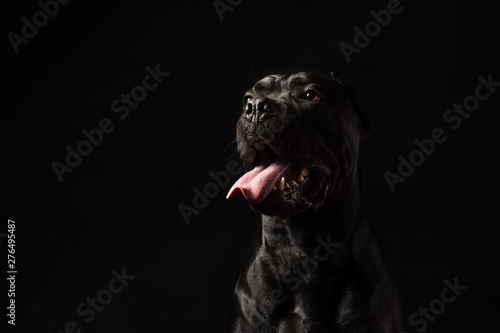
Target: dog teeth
(282, 183)
(303, 173)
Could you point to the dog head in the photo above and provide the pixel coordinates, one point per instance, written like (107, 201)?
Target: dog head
(298, 139)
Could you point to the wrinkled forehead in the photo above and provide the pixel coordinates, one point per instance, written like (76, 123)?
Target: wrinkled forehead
(284, 82)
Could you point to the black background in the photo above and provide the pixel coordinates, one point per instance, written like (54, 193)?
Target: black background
(119, 207)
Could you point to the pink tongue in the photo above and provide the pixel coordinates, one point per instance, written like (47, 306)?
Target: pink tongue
(255, 185)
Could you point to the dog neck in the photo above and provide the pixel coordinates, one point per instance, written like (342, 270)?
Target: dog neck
(337, 217)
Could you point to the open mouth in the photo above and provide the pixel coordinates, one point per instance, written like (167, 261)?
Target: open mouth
(270, 173)
(285, 182)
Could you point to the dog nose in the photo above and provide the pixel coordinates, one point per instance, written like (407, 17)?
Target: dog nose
(259, 105)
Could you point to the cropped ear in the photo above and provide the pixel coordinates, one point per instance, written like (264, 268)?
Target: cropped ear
(335, 77)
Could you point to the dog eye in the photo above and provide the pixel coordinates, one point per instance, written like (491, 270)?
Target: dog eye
(310, 95)
(247, 98)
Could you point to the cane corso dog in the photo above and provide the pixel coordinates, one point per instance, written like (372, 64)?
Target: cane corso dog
(316, 264)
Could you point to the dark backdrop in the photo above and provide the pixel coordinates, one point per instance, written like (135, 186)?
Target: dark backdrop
(119, 208)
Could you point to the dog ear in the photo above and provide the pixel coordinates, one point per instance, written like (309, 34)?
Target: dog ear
(361, 115)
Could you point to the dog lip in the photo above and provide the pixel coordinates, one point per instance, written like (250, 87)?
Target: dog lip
(267, 151)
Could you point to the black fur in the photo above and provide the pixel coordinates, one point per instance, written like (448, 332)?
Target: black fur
(317, 264)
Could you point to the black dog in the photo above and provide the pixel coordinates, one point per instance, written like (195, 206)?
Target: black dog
(317, 264)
